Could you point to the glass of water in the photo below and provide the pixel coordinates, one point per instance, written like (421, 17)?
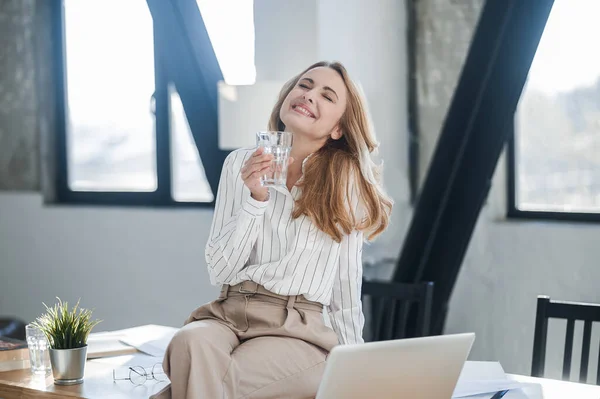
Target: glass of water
(279, 144)
(39, 355)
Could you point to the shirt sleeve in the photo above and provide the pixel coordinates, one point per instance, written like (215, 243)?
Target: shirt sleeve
(236, 224)
(345, 308)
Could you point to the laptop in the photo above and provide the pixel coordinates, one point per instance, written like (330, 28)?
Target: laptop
(415, 368)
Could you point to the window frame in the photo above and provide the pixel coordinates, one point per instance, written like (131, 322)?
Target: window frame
(162, 196)
(513, 212)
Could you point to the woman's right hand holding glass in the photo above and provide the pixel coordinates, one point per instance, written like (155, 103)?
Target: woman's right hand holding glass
(253, 169)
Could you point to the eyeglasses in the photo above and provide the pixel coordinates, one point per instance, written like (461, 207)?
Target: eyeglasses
(139, 375)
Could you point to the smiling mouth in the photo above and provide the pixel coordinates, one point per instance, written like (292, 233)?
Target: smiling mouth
(303, 111)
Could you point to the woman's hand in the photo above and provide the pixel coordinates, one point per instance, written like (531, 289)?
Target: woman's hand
(253, 169)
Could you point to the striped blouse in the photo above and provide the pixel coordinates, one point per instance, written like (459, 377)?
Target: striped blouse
(261, 242)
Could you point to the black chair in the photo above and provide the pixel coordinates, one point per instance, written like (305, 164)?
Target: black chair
(389, 304)
(570, 311)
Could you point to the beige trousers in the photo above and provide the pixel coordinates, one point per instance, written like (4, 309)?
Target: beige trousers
(250, 343)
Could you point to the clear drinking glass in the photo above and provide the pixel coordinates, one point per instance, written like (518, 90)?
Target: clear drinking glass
(279, 144)
(39, 354)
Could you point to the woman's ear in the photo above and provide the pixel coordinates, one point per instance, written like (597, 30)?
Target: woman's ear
(336, 134)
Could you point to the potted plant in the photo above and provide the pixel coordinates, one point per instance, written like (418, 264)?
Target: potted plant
(67, 332)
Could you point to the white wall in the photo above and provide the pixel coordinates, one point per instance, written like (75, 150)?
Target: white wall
(369, 38)
(285, 38)
(133, 266)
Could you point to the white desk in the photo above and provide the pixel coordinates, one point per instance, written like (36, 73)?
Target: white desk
(554, 389)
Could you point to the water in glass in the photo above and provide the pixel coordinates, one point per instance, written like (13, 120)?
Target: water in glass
(279, 144)
(39, 355)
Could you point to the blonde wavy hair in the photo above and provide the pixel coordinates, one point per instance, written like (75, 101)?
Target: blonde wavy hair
(341, 169)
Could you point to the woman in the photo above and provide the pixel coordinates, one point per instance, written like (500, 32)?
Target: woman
(282, 254)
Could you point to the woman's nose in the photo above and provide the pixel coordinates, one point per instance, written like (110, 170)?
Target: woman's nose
(308, 97)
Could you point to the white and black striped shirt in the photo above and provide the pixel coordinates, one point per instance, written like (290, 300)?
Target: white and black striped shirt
(261, 242)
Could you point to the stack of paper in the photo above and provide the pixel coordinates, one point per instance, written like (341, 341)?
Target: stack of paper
(107, 344)
(150, 339)
(482, 380)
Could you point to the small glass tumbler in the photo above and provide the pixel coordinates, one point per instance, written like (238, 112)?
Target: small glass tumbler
(39, 354)
(279, 144)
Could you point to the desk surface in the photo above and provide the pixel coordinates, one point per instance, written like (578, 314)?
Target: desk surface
(98, 383)
(554, 389)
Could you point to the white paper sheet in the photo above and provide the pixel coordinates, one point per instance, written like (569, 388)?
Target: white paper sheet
(481, 380)
(125, 361)
(104, 345)
(150, 339)
(470, 388)
(475, 371)
(513, 394)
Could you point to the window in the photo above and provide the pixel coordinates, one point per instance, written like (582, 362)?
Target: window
(554, 156)
(189, 180)
(230, 24)
(125, 137)
(110, 81)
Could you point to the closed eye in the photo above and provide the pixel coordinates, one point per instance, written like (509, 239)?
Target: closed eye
(303, 86)
(328, 98)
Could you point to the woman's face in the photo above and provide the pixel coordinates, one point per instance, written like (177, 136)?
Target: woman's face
(315, 105)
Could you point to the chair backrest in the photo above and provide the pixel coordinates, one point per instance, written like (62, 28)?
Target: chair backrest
(571, 311)
(389, 304)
